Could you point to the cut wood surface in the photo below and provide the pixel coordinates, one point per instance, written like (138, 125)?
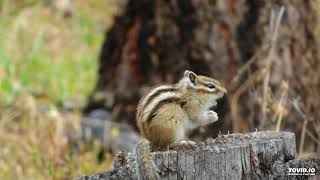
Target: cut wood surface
(257, 155)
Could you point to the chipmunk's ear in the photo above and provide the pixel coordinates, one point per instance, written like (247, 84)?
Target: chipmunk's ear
(191, 75)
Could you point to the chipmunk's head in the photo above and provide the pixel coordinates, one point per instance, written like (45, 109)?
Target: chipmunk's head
(203, 85)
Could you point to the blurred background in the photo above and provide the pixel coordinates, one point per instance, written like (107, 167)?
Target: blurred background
(72, 72)
(48, 61)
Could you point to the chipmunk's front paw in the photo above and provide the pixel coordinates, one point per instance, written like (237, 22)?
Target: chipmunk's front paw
(212, 116)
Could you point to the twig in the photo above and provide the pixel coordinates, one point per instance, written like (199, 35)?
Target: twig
(274, 26)
(295, 103)
(257, 76)
(281, 103)
(302, 138)
(275, 33)
(246, 66)
(279, 121)
(312, 137)
(316, 129)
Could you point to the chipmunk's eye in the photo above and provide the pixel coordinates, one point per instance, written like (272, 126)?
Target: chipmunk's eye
(210, 85)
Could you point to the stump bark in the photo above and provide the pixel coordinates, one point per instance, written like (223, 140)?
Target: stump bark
(258, 155)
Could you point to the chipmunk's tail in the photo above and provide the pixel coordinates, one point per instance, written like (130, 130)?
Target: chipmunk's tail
(146, 166)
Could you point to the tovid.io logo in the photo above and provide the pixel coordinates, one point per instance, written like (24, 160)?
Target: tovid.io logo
(302, 171)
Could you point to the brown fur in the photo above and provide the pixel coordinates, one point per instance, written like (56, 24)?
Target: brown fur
(163, 131)
(163, 125)
(156, 109)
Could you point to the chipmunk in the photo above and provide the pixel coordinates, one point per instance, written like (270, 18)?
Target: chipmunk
(168, 112)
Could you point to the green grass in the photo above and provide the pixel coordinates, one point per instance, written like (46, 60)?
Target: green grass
(46, 59)
(43, 53)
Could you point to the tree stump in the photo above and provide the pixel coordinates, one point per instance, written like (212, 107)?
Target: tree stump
(257, 155)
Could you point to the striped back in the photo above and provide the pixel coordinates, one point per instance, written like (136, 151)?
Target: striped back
(155, 99)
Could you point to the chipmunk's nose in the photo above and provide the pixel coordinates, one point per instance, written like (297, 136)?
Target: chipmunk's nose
(224, 90)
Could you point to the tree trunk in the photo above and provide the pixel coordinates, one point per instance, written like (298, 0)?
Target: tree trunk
(266, 71)
(258, 155)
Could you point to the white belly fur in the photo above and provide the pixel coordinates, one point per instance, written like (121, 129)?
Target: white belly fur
(188, 125)
(180, 135)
